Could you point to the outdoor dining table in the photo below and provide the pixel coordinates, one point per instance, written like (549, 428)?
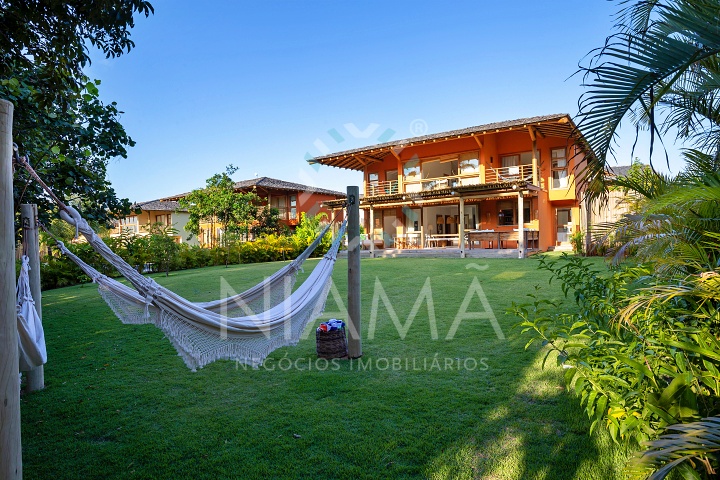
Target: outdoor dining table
(407, 240)
(497, 239)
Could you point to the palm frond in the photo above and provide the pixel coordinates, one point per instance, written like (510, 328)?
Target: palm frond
(637, 61)
(697, 441)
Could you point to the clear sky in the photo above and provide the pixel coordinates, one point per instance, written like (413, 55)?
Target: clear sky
(264, 84)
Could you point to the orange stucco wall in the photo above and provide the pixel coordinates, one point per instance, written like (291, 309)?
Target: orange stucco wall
(495, 145)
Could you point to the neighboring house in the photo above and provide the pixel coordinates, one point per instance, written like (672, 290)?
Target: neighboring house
(433, 190)
(616, 206)
(167, 212)
(289, 198)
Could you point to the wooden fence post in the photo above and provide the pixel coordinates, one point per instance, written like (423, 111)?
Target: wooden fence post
(10, 444)
(353, 230)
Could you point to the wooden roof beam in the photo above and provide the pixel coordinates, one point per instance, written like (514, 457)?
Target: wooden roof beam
(395, 154)
(477, 140)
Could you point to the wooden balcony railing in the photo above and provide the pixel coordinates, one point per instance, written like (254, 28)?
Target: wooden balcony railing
(439, 183)
(492, 175)
(382, 188)
(509, 174)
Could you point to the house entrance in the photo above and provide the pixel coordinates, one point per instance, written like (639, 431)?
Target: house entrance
(564, 224)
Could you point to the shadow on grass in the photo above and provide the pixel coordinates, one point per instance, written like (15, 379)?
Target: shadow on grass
(538, 432)
(119, 402)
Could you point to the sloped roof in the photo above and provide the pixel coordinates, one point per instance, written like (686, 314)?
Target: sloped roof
(619, 171)
(555, 125)
(267, 182)
(270, 183)
(160, 205)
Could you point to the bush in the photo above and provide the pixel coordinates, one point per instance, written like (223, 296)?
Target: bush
(160, 253)
(638, 365)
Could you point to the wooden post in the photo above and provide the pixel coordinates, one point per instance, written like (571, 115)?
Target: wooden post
(31, 242)
(10, 444)
(533, 137)
(521, 226)
(334, 228)
(353, 229)
(371, 232)
(461, 227)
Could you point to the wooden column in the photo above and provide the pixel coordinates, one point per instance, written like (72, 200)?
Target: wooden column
(521, 226)
(371, 232)
(353, 230)
(31, 243)
(461, 227)
(10, 444)
(533, 137)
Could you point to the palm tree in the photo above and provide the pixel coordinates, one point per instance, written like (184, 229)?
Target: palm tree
(660, 70)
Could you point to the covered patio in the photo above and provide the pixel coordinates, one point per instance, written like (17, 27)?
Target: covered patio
(435, 252)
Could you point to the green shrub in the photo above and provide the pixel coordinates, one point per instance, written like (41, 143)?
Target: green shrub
(158, 252)
(577, 240)
(637, 365)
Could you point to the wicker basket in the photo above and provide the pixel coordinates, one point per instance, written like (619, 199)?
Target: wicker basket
(332, 344)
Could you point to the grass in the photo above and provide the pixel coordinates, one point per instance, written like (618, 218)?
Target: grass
(119, 402)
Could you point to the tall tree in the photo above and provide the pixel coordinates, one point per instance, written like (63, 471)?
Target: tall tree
(218, 204)
(59, 123)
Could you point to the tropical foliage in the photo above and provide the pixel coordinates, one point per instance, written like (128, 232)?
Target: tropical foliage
(642, 348)
(158, 252)
(658, 71)
(219, 204)
(67, 133)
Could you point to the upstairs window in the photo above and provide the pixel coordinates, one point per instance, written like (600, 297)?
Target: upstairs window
(293, 207)
(559, 168)
(468, 163)
(411, 170)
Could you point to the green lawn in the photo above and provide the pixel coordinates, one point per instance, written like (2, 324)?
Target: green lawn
(119, 402)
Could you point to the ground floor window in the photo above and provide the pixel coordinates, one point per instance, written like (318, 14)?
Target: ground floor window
(507, 212)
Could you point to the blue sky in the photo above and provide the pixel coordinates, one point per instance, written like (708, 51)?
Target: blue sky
(263, 84)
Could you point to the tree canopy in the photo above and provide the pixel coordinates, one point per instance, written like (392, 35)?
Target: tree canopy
(59, 121)
(219, 204)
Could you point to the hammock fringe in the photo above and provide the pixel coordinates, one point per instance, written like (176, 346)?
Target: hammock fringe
(197, 331)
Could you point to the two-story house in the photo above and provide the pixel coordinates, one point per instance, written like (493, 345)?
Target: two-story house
(473, 187)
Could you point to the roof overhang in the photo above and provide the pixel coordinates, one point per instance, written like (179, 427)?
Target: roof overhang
(560, 125)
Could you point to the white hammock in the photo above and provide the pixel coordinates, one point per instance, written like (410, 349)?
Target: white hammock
(31, 338)
(268, 293)
(199, 334)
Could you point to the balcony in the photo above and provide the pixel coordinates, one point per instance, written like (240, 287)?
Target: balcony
(440, 183)
(509, 174)
(382, 188)
(412, 184)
